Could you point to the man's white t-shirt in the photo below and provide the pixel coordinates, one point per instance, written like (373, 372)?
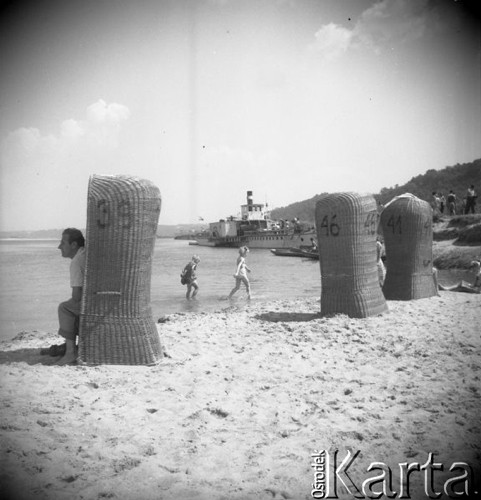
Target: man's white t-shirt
(77, 268)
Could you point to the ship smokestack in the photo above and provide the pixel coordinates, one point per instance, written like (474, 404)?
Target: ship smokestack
(249, 201)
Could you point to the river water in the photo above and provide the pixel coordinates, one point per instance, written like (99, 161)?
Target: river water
(35, 278)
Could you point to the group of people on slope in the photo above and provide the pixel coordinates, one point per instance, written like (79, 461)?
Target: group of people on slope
(440, 203)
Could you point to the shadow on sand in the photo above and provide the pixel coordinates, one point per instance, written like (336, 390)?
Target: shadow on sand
(285, 317)
(28, 355)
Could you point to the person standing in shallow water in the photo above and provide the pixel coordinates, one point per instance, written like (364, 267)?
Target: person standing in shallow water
(241, 273)
(191, 277)
(72, 247)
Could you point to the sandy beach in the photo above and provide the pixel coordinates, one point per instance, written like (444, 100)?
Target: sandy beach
(242, 400)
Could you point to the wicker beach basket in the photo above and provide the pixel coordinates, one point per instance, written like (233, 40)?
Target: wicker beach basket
(116, 324)
(346, 225)
(408, 239)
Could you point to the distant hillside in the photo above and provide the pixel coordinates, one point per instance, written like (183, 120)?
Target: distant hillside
(458, 178)
(303, 210)
(163, 231)
(42, 234)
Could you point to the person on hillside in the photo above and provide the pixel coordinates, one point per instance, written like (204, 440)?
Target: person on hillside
(241, 273)
(442, 202)
(470, 200)
(190, 278)
(435, 203)
(451, 203)
(465, 286)
(72, 246)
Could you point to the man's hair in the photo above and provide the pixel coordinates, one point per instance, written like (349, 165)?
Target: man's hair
(74, 235)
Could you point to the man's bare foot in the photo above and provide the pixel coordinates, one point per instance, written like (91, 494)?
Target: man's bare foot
(68, 359)
(70, 356)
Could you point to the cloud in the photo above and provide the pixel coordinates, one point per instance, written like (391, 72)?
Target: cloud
(72, 129)
(384, 24)
(392, 21)
(332, 41)
(55, 167)
(101, 128)
(103, 123)
(101, 112)
(24, 144)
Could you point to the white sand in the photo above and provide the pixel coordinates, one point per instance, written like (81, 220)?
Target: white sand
(242, 401)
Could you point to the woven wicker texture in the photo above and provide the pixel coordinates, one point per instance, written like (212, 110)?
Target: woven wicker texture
(408, 239)
(346, 226)
(116, 324)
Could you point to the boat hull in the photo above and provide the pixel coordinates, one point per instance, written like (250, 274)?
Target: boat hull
(295, 252)
(267, 241)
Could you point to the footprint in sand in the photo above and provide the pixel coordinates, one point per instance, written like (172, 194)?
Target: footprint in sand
(278, 494)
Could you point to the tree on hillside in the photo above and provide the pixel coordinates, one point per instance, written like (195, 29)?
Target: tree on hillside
(457, 177)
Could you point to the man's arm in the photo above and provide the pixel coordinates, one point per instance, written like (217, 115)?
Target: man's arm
(77, 293)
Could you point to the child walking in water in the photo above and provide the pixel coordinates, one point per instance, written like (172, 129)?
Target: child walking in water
(190, 277)
(241, 273)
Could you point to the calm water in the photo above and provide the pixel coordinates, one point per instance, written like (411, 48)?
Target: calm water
(35, 278)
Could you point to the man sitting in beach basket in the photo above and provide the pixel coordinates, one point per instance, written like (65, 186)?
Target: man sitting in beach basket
(72, 246)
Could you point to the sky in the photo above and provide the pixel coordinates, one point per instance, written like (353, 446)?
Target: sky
(210, 98)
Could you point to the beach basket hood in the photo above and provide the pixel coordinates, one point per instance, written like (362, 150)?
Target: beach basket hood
(346, 225)
(408, 239)
(116, 324)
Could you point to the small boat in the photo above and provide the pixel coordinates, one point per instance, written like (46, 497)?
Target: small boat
(310, 254)
(295, 252)
(284, 252)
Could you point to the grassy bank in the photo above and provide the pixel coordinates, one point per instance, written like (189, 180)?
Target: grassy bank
(457, 241)
(447, 255)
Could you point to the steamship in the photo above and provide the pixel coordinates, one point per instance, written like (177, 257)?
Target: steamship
(255, 229)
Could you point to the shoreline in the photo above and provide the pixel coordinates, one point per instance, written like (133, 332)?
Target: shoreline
(447, 255)
(242, 400)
